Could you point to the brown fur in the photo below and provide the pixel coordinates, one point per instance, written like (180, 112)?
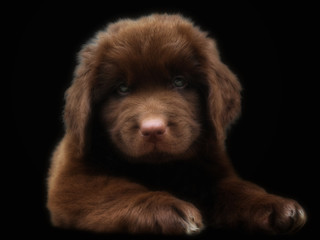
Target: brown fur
(152, 160)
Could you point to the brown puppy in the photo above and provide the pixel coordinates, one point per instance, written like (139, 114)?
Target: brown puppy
(146, 117)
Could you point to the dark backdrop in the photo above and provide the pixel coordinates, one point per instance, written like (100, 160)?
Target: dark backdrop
(267, 45)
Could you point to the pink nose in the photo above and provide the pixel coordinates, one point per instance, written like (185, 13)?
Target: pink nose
(153, 129)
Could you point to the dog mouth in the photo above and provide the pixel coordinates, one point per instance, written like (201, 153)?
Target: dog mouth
(154, 148)
(168, 149)
(160, 151)
(154, 153)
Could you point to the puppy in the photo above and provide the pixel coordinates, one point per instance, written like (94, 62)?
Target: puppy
(143, 152)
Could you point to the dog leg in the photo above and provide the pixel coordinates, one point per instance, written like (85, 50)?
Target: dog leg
(107, 204)
(243, 204)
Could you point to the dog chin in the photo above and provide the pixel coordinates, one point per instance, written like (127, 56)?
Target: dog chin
(155, 157)
(157, 153)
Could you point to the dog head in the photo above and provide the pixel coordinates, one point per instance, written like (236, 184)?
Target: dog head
(159, 87)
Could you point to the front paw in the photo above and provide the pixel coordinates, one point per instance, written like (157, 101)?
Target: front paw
(161, 213)
(178, 217)
(277, 215)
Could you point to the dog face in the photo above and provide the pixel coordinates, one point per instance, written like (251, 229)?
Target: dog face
(152, 120)
(154, 109)
(160, 86)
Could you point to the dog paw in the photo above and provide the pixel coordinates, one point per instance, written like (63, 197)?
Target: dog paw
(179, 217)
(287, 217)
(190, 218)
(280, 216)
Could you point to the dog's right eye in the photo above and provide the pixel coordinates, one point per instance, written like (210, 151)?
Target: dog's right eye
(123, 89)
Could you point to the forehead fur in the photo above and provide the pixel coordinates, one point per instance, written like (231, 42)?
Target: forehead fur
(150, 33)
(159, 43)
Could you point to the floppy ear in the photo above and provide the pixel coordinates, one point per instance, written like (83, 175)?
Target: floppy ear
(224, 100)
(78, 97)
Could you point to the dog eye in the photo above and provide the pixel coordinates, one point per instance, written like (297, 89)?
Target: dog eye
(123, 89)
(179, 82)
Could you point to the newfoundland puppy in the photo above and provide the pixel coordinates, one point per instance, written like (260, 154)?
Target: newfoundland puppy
(143, 152)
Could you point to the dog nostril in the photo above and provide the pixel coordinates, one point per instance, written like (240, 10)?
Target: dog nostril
(152, 128)
(149, 132)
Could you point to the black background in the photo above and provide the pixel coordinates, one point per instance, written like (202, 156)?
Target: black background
(269, 46)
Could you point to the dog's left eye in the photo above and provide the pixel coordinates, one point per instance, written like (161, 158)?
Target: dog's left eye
(179, 82)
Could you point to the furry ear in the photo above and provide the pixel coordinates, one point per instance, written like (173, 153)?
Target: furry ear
(224, 100)
(78, 97)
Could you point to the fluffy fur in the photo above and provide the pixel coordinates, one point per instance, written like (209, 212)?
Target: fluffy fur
(145, 122)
